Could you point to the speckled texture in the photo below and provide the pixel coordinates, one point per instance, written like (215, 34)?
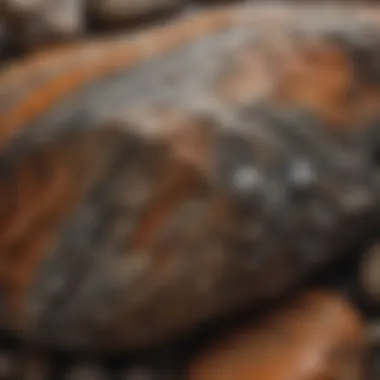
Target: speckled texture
(152, 182)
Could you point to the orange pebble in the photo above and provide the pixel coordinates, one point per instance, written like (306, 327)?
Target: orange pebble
(318, 337)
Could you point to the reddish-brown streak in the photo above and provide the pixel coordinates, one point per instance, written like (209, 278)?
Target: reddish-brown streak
(28, 192)
(178, 185)
(29, 228)
(320, 82)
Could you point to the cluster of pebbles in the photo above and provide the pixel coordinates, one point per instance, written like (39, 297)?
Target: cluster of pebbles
(324, 333)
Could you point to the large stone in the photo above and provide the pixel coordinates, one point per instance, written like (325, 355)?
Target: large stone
(152, 183)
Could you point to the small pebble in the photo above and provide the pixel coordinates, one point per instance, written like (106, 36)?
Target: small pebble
(320, 336)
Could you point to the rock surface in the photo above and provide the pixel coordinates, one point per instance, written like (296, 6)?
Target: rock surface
(156, 182)
(174, 285)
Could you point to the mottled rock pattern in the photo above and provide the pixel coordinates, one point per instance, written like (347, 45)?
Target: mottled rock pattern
(155, 181)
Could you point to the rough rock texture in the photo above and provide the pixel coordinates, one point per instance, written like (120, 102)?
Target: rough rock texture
(319, 336)
(150, 183)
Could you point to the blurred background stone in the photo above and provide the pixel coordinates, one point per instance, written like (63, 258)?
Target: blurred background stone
(86, 371)
(8, 365)
(34, 367)
(38, 24)
(125, 10)
(318, 337)
(369, 274)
